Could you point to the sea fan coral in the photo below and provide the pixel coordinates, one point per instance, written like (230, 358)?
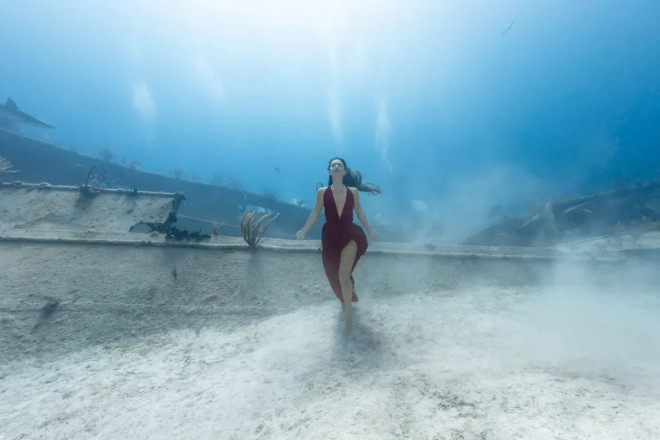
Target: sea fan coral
(251, 226)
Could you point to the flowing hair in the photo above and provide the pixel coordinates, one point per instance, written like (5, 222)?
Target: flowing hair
(354, 178)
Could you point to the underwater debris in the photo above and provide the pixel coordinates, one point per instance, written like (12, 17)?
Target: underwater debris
(5, 166)
(630, 210)
(251, 226)
(172, 232)
(46, 312)
(174, 272)
(48, 309)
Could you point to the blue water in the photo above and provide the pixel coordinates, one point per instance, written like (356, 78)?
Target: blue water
(453, 107)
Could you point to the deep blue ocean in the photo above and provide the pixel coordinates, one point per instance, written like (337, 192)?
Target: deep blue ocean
(462, 111)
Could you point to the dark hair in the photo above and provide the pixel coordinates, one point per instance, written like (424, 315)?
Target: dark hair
(354, 178)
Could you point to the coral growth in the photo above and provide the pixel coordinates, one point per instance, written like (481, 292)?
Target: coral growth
(92, 183)
(224, 179)
(177, 173)
(107, 154)
(251, 226)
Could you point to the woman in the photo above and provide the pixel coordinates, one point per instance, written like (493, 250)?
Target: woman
(343, 242)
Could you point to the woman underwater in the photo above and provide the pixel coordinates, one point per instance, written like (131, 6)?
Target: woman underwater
(343, 242)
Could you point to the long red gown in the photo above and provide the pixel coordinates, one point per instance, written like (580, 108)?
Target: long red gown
(337, 232)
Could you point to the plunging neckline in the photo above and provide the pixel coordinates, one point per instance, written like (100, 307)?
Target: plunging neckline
(334, 200)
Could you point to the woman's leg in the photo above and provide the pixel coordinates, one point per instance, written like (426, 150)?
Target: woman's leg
(346, 260)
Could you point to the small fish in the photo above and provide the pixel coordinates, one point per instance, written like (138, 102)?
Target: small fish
(276, 168)
(508, 27)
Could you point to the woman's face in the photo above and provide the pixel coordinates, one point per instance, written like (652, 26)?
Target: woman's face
(337, 166)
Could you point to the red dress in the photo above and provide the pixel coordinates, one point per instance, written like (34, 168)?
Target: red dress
(337, 232)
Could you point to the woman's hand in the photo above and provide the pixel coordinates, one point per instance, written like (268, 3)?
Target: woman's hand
(372, 233)
(300, 235)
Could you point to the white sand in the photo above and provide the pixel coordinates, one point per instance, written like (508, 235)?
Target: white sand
(486, 364)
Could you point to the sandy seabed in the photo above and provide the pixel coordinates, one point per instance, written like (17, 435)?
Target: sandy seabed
(524, 363)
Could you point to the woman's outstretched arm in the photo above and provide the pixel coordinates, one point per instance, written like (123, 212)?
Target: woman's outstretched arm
(300, 235)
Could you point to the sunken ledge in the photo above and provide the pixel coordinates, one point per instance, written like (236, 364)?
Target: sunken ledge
(45, 210)
(57, 214)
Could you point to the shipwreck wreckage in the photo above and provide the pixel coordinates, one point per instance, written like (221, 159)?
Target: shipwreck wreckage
(618, 217)
(84, 265)
(208, 209)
